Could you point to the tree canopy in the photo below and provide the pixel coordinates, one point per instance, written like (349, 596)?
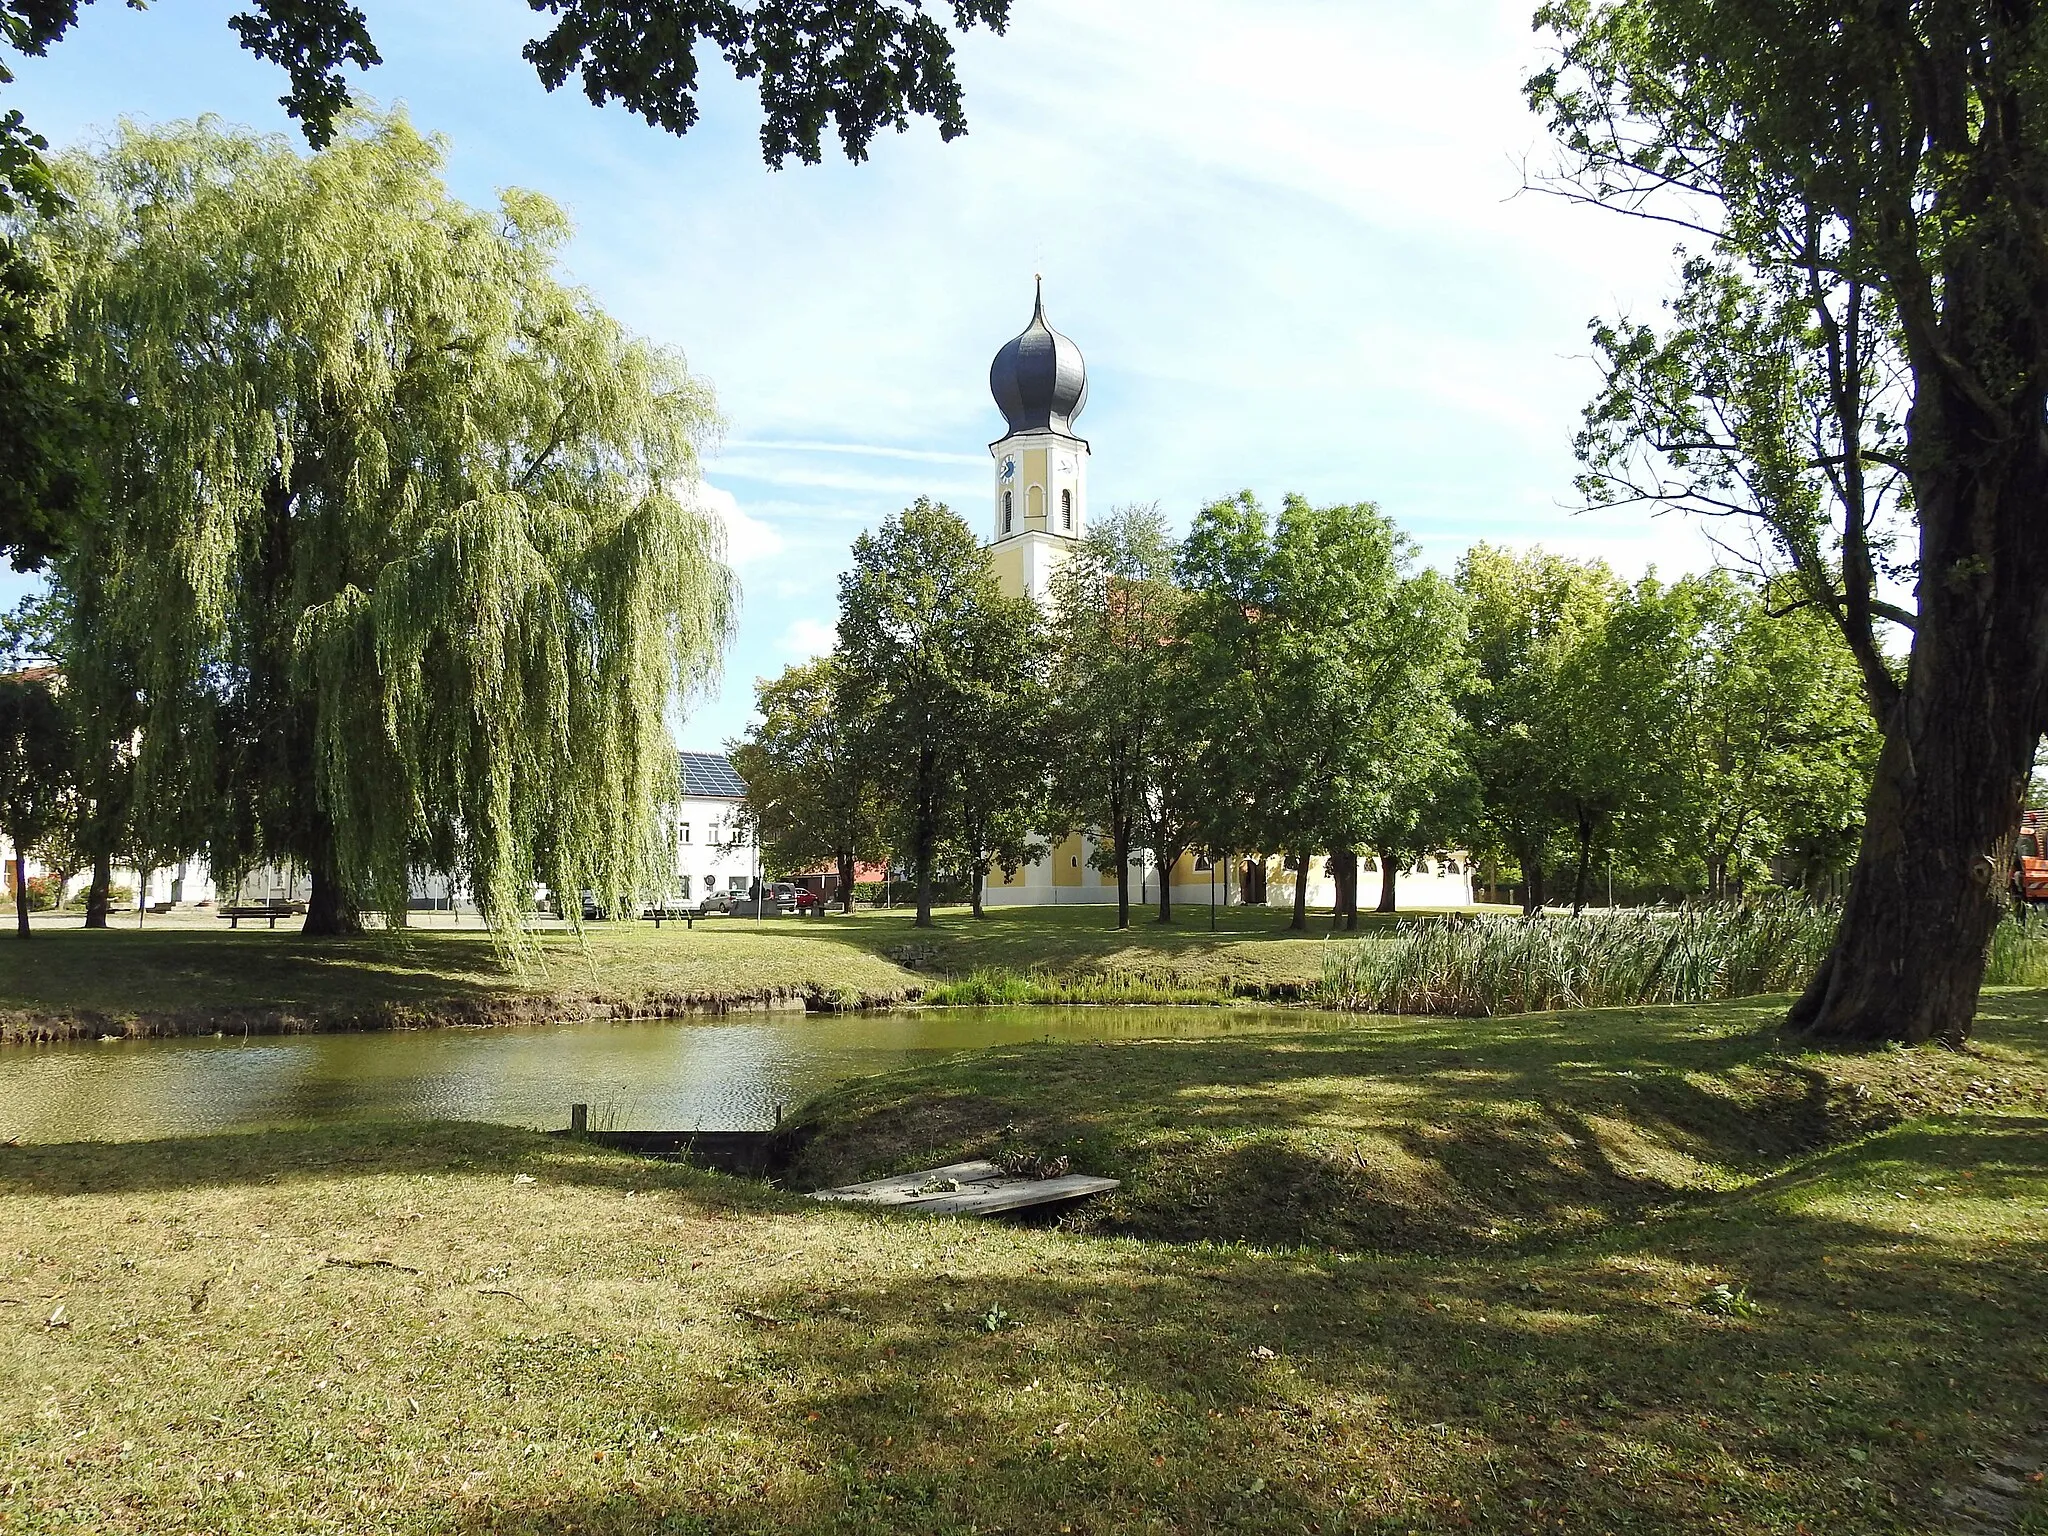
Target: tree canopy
(1114, 614)
(853, 66)
(931, 656)
(811, 792)
(36, 757)
(399, 531)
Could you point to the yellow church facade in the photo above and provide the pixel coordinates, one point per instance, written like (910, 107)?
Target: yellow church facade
(1039, 512)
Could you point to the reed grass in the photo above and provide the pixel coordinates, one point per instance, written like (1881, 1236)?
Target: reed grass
(1484, 966)
(2019, 952)
(991, 986)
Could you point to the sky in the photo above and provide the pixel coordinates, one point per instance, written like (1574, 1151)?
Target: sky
(1291, 240)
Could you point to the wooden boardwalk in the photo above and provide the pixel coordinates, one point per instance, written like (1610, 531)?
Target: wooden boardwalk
(967, 1189)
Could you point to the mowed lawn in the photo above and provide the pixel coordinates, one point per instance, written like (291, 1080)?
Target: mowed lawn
(193, 967)
(1760, 1291)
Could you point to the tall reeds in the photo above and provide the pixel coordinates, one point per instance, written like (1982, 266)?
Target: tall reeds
(994, 987)
(2019, 952)
(1482, 966)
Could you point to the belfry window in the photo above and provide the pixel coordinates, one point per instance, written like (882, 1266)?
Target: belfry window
(1008, 509)
(1066, 511)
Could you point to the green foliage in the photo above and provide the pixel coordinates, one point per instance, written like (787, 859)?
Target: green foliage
(1775, 744)
(861, 65)
(37, 754)
(1854, 368)
(406, 559)
(45, 467)
(858, 65)
(1117, 676)
(810, 792)
(1530, 618)
(932, 659)
(1325, 666)
(1494, 965)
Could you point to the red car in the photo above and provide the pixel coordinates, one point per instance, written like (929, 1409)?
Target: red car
(806, 898)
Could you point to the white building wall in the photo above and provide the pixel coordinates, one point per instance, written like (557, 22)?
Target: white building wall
(714, 850)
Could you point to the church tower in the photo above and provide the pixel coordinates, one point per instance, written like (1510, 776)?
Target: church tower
(1041, 506)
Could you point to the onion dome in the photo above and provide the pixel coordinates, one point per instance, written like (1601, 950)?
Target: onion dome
(1039, 380)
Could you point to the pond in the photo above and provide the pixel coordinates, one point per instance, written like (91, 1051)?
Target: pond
(726, 1073)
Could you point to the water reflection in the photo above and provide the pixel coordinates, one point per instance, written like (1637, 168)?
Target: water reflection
(711, 1074)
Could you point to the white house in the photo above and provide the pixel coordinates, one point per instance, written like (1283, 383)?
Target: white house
(714, 847)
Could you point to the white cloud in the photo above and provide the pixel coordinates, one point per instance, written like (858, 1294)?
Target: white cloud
(807, 637)
(747, 539)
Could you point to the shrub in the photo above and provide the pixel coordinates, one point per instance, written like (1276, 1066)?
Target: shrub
(45, 892)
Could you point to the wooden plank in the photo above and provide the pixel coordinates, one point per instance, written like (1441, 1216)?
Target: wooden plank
(980, 1188)
(1017, 1195)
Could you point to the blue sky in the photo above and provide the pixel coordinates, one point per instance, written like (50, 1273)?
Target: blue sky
(1287, 237)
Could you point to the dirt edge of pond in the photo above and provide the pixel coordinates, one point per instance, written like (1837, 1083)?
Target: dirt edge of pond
(515, 1011)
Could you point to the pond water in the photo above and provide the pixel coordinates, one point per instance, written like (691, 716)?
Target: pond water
(726, 1073)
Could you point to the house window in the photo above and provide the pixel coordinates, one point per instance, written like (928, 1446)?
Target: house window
(1202, 863)
(685, 891)
(1009, 507)
(1066, 511)
(683, 833)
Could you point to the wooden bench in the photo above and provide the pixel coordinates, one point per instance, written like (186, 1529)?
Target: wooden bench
(234, 915)
(659, 915)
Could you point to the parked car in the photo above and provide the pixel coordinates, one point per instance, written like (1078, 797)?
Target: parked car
(806, 898)
(715, 901)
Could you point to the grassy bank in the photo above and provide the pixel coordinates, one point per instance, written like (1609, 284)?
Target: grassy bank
(462, 1329)
(192, 974)
(1447, 1135)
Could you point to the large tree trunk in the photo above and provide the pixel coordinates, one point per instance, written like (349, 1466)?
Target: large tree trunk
(21, 891)
(975, 875)
(1929, 882)
(1389, 873)
(1300, 919)
(332, 911)
(1120, 841)
(1585, 866)
(1532, 886)
(1344, 866)
(925, 835)
(846, 883)
(1951, 780)
(1166, 869)
(99, 894)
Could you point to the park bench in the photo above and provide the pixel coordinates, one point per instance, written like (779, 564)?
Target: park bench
(270, 910)
(659, 915)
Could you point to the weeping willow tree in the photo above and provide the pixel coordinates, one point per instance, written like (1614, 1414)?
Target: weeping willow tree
(399, 539)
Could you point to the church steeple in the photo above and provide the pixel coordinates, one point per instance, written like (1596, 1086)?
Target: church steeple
(1039, 378)
(1040, 384)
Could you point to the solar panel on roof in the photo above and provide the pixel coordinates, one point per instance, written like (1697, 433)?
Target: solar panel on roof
(710, 773)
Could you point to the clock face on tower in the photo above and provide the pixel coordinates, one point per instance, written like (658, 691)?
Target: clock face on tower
(1009, 469)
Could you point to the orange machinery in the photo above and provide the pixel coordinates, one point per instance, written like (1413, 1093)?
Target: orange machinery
(2030, 860)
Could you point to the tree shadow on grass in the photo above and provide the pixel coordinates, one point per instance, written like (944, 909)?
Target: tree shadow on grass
(347, 1151)
(1213, 1390)
(1400, 1134)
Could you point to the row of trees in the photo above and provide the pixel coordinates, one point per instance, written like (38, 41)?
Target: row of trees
(1294, 684)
